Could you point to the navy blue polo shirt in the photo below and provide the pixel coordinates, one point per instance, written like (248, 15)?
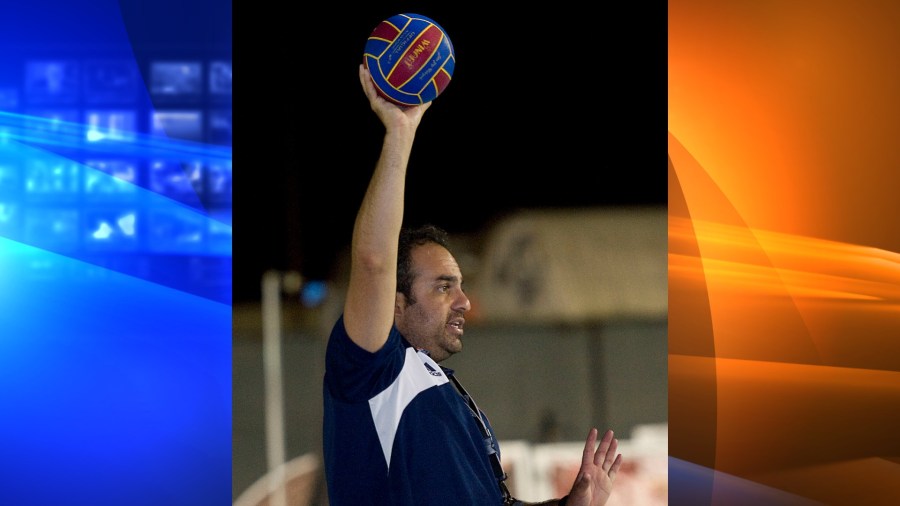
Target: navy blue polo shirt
(397, 432)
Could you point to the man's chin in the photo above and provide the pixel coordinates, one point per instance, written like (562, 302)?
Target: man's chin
(450, 348)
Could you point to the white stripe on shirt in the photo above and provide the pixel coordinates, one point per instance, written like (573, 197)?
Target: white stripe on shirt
(387, 407)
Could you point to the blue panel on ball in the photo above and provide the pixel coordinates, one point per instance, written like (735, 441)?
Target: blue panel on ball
(375, 47)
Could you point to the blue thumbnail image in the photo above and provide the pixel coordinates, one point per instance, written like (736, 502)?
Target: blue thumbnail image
(52, 81)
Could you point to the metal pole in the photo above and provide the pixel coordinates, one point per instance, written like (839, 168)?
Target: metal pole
(275, 441)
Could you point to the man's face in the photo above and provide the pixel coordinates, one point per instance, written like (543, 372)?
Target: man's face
(435, 320)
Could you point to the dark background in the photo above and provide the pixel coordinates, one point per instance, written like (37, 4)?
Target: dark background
(546, 108)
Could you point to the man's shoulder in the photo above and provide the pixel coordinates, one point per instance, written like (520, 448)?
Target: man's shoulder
(340, 342)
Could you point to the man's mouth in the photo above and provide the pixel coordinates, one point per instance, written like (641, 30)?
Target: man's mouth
(457, 324)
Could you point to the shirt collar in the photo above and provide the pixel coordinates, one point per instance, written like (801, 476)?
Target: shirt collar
(447, 370)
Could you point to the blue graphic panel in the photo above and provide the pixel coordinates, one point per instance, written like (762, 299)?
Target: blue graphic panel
(115, 252)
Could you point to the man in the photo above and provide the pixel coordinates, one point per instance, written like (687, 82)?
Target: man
(398, 428)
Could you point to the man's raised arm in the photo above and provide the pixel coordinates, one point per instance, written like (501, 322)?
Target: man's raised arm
(369, 306)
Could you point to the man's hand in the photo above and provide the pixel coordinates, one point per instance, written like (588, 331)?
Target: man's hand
(598, 470)
(390, 114)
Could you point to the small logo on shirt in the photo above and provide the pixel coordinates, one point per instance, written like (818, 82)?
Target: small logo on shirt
(431, 370)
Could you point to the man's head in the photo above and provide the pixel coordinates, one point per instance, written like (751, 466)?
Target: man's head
(430, 306)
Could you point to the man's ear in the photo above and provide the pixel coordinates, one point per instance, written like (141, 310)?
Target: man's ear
(399, 304)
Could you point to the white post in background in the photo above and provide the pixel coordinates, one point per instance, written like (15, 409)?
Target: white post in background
(275, 441)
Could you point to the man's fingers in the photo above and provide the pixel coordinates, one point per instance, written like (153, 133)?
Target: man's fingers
(588, 454)
(365, 79)
(604, 456)
(610, 454)
(615, 467)
(606, 444)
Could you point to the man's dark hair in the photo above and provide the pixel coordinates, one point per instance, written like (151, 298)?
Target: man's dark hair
(409, 239)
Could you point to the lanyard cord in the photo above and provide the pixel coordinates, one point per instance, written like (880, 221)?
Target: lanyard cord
(493, 456)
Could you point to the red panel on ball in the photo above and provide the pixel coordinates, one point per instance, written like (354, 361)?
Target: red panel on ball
(385, 31)
(416, 56)
(441, 80)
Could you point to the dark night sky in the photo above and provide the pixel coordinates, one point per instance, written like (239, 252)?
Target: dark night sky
(560, 108)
